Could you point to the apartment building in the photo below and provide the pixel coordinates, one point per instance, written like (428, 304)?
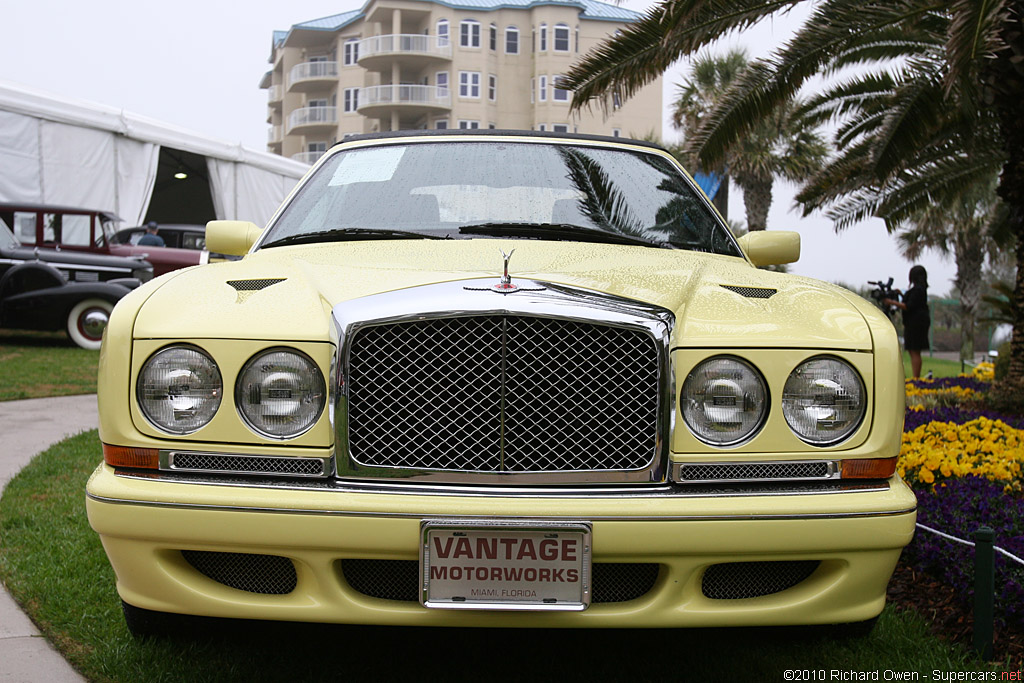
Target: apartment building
(421, 64)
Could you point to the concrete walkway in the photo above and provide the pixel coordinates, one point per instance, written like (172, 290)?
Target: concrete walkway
(26, 428)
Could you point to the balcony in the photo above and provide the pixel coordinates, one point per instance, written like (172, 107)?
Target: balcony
(275, 94)
(274, 135)
(378, 100)
(313, 120)
(312, 76)
(309, 157)
(380, 51)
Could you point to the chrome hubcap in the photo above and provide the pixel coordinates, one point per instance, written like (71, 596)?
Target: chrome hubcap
(94, 322)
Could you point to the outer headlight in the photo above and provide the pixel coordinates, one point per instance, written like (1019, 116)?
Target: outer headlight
(824, 400)
(179, 389)
(280, 393)
(724, 401)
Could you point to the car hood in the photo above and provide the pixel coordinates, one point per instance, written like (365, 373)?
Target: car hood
(288, 293)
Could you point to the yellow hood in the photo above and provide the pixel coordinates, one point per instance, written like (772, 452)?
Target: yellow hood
(201, 302)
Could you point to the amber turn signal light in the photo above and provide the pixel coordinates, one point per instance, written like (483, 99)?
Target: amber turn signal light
(869, 468)
(125, 456)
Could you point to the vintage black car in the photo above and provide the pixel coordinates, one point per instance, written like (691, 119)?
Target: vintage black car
(53, 289)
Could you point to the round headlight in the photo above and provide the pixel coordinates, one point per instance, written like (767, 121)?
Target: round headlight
(179, 389)
(724, 401)
(280, 393)
(824, 401)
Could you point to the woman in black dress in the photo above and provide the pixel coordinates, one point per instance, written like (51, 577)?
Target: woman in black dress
(916, 317)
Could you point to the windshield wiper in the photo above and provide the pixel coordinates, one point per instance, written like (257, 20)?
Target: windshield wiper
(349, 234)
(557, 231)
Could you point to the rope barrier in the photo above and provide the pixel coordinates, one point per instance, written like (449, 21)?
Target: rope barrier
(1001, 551)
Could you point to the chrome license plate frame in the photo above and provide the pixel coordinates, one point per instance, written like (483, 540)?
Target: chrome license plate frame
(511, 564)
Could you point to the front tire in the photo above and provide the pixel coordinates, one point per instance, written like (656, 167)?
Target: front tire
(86, 321)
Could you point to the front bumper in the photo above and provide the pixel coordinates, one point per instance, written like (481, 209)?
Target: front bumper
(146, 522)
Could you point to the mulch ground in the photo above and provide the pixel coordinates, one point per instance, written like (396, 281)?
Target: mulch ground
(949, 615)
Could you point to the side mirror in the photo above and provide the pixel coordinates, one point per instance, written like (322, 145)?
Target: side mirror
(771, 247)
(234, 238)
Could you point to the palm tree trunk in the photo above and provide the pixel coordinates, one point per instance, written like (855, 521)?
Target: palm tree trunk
(757, 199)
(1003, 79)
(969, 258)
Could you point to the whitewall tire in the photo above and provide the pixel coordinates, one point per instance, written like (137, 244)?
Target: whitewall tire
(86, 321)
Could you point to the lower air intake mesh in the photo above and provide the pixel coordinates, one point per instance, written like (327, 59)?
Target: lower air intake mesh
(754, 471)
(207, 462)
(738, 580)
(265, 574)
(399, 579)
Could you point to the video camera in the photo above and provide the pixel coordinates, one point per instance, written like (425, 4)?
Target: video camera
(883, 291)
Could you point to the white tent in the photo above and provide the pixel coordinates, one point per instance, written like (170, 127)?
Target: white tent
(65, 152)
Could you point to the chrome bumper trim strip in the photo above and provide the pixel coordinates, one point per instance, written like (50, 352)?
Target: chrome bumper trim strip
(404, 515)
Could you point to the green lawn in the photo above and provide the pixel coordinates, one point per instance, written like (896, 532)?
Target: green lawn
(54, 565)
(938, 366)
(40, 364)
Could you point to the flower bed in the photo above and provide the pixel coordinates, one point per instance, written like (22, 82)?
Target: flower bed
(966, 465)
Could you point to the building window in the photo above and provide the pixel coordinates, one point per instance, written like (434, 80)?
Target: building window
(492, 87)
(577, 39)
(494, 37)
(469, 84)
(442, 83)
(511, 40)
(442, 33)
(468, 125)
(542, 89)
(561, 38)
(616, 100)
(543, 37)
(533, 92)
(469, 35)
(558, 94)
(351, 51)
(491, 126)
(441, 124)
(542, 126)
(616, 132)
(560, 128)
(351, 99)
(316, 147)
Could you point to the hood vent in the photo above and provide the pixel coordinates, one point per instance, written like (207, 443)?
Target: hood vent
(752, 292)
(247, 288)
(254, 285)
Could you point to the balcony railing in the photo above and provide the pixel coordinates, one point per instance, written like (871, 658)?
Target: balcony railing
(405, 44)
(312, 71)
(309, 157)
(423, 95)
(274, 134)
(312, 116)
(275, 93)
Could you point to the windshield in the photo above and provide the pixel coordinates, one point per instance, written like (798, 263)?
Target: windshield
(462, 190)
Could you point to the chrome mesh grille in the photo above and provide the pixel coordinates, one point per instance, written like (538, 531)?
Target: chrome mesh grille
(399, 579)
(208, 462)
(754, 471)
(738, 580)
(265, 574)
(503, 393)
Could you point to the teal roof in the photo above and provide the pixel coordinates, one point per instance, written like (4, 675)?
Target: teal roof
(591, 9)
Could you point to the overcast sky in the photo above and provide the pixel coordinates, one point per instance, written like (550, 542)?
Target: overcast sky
(197, 64)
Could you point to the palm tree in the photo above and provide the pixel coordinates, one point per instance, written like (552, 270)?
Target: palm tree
(969, 90)
(783, 144)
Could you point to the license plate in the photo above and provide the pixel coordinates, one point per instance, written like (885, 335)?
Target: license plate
(505, 565)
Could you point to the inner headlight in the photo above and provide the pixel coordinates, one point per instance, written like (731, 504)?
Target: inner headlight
(824, 400)
(724, 401)
(179, 389)
(280, 393)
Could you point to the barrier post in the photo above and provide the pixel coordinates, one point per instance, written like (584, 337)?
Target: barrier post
(984, 590)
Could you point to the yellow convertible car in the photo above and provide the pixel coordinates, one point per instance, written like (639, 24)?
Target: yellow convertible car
(502, 379)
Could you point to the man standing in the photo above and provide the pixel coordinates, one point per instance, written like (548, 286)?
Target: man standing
(151, 239)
